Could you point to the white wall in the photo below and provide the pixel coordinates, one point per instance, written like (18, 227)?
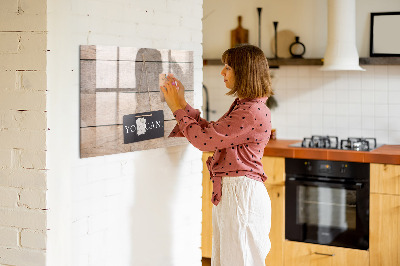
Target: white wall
(311, 102)
(138, 208)
(306, 19)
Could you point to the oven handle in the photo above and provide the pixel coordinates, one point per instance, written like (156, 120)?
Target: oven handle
(357, 185)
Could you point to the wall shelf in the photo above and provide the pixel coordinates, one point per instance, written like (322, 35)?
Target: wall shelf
(274, 63)
(380, 61)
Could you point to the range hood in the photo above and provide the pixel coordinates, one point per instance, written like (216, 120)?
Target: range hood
(341, 51)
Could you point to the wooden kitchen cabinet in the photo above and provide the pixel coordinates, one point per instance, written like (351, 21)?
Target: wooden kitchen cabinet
(274, 168)
(385, 215)
(206, 225)
(277, 233)
(385, 178)
(384, 236)
(305, 254)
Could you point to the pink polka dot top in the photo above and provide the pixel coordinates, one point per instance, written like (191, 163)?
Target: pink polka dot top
(238, 139)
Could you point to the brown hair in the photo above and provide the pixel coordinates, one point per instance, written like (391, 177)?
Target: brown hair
(250, 66)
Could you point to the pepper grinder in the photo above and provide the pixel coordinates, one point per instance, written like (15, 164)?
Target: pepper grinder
(276, 38)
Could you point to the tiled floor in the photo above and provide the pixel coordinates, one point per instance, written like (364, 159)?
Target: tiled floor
(206, 261)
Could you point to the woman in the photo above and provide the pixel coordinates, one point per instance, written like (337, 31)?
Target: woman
(242, 212)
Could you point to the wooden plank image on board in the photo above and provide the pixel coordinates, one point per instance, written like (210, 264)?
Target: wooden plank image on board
(122, 81)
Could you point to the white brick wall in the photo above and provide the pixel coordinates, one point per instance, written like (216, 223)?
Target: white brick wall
(100, 209)
(9, 237)
(23, 132)
(8, 197)
(11, 256)
(33, 239)
(23, 178)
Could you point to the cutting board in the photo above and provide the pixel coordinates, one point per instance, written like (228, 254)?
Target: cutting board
(239, 35)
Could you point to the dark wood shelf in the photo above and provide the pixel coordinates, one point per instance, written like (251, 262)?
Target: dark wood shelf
(276, 62)
(212, 62)
(273, 62)
(380, 61)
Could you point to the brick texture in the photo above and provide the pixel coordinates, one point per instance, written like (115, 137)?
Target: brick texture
(101, 190)
(23, 178)
(9, 237)
(17, 256)
(8, 197)
(33, 239)
(23, 218)
(23, 125)
(33, 199)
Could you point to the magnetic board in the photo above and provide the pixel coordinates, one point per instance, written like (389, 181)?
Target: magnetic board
(120, 81)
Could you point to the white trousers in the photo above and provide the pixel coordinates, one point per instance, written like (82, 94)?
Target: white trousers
(241, 223)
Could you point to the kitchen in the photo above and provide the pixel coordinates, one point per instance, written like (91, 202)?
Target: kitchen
(313, 104)
(122, 210)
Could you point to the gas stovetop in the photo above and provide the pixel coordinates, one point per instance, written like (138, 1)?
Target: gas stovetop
(332, 142)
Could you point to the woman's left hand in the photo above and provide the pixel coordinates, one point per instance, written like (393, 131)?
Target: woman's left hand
(170, 91)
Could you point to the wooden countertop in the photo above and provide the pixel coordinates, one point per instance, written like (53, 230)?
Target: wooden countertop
(389, 154)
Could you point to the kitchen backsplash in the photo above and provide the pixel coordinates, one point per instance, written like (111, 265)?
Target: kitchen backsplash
(314, 102)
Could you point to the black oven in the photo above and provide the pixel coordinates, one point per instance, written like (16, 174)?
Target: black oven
(327, 202)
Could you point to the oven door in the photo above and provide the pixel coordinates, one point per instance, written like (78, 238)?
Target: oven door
(327, 213)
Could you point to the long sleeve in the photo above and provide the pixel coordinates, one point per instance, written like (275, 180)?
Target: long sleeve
(238, 140)
(193, 113)
(231, 130)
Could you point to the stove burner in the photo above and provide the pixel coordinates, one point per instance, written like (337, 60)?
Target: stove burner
(358, 144)
(328, 142)
(332, 142)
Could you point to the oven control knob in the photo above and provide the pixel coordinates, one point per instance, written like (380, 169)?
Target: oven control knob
(343, 168)
(308, 166)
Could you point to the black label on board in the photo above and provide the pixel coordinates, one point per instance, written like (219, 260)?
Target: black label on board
(143, 126)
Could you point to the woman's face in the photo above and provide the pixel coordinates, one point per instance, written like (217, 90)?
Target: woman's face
(229, 76)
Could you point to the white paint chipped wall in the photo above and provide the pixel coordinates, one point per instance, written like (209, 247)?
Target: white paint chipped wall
(139, 208)
(23, 125)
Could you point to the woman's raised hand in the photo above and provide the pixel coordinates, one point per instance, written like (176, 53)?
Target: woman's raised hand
(181, 90)
(174, 93)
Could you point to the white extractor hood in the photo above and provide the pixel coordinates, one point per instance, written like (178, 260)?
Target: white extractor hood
(341, 51)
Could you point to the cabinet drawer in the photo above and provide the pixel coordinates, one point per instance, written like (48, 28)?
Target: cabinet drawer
(304, 254)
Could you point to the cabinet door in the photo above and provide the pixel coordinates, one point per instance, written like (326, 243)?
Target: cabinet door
(206, 225)
(384, 230)
(304, 254)
(385, 178)
(277, 233)
(274, 168)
